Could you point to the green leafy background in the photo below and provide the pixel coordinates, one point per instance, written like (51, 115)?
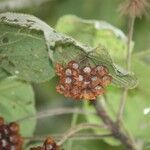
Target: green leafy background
(45, 94)
(17, 102)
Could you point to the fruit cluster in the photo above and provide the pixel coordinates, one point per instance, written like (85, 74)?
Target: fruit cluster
(10, 138)
(82, 82)
(49, 144)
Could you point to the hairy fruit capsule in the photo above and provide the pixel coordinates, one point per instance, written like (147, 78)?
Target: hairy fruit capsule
(49, 144)
(82, 82)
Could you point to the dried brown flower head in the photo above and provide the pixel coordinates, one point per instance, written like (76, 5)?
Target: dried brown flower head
(82, 82)
(49, 144)
(10, 138)
(134, 8)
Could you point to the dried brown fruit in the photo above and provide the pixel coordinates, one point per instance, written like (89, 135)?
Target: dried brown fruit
(82, 82)
(9, 136)
(49, 144)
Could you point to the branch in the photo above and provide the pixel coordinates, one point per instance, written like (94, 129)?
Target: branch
(113, 127)
(128, 63)
(79, 136)
(55, 112)
(76, 129)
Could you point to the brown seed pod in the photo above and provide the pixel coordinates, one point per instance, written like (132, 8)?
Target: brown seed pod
(73, 65)
(95, 81)
(87, 70)
(14, 127)
(78, 81)
(59, 70)
(9, 136)
(87, 94)
(98, 90)
(49, 144)
(75, 92)
(106, 80)
(101, 70)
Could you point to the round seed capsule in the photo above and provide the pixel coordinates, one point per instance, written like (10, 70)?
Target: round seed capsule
(88, 95)
(106, 80)
(101, 70)
(87, 70)
(73, 64)
(80, 78)
(60, 89)
(59, 70)
(14, 127)
(68, 72)
(68, 80)
(98, 90)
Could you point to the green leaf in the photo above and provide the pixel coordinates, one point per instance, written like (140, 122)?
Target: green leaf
(23, 49)
(120, 76)
(32, 62)
(98, 56)
(96, 33)
(93, 33)
(16, 102)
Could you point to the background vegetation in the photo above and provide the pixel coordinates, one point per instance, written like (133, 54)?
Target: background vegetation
(48, 99)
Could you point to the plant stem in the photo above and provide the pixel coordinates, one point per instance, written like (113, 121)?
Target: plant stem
(113, 127)
(76, 129)
(128, 66)
(56, 112)
(129, 42)
(79, 136)
(73, 123)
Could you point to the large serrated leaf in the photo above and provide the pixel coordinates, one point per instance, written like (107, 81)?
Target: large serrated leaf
(17, 102)
(23, 48)
(60, 47)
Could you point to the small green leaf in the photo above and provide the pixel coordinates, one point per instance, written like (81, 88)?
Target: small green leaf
(16, 102)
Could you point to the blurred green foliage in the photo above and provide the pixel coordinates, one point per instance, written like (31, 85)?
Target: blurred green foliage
(46, 96)
(94, 9)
